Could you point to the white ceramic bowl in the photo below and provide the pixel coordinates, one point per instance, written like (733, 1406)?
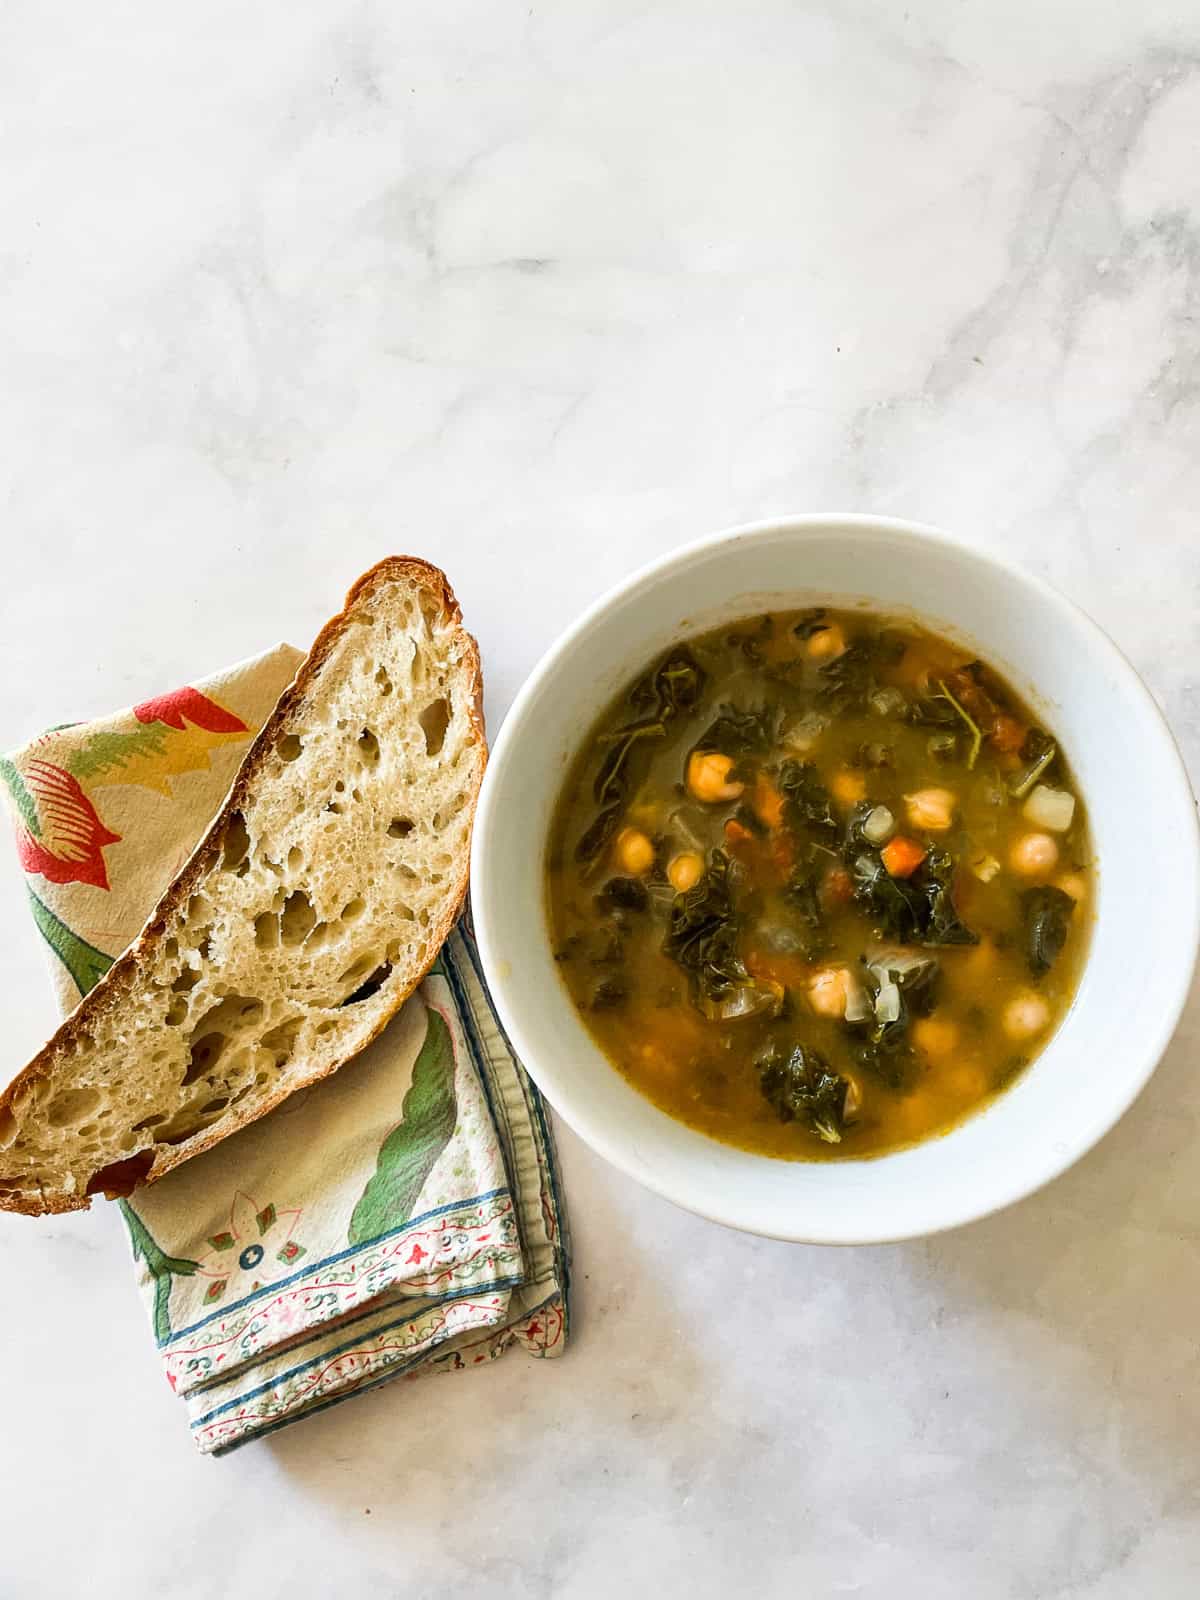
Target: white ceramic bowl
(1143, 821)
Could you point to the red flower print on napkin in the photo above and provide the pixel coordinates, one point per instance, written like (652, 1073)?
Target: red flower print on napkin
(189, 705)
(59, 835)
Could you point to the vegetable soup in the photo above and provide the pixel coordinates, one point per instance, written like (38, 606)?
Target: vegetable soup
(819, 883)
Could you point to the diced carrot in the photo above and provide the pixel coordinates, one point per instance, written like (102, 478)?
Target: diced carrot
(783, 852)
(837, 887)
(768, 802)
(737, 835)
(902, 856)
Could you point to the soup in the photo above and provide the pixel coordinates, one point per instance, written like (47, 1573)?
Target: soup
(818, 884)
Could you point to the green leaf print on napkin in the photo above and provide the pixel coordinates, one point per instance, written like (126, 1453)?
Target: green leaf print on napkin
(83, 961)
(408, 1154)
(24, 802)
(160, 1266)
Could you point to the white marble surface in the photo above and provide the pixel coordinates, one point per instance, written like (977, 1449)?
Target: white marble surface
(540, 291)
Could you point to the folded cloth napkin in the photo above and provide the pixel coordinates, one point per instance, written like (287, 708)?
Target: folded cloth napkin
(403, 1215)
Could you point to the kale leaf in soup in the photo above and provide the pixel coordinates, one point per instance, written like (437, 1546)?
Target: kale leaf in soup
(918, 909)
(801, 1088)
(623, 894)
(819, 883)
(669, 690)
(806, 801)
(1047, 913)
(810, 622)
(734, 732)
(702, 934)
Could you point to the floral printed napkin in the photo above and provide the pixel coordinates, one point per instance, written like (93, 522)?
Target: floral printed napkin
(403, 1215)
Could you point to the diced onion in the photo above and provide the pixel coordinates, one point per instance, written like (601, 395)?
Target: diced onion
(878, 826)
(886, 702)
(748, 1000)
(887, 1001)
(900, 962)
(858, 1001)
(1053, 809)
(741, 1003)
(803, 734)
(891, 969)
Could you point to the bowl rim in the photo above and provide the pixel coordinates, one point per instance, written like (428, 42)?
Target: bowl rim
(596, 1134)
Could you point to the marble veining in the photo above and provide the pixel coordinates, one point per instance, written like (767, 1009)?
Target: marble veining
(540, 292)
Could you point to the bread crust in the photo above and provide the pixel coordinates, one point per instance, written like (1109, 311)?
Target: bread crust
(112, 989)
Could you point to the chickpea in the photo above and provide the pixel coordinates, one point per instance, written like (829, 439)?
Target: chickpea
(935, 1036)
(633, 852)
(1034, 855)
(684, 871)
(848, 786)
(931, 809)
(1074, 884)
(1025, 1015)
(826, 643)
(966, 1079)
(708, 777)
(827, 992)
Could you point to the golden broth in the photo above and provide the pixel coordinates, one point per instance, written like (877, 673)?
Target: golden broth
(818, 884)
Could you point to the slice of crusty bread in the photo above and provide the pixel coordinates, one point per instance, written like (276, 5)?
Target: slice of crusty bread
(310, 910)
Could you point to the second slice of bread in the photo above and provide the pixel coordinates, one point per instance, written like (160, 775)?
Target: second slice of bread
(311, 909)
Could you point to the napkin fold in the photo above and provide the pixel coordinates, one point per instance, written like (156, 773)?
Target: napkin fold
(403, 1216)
